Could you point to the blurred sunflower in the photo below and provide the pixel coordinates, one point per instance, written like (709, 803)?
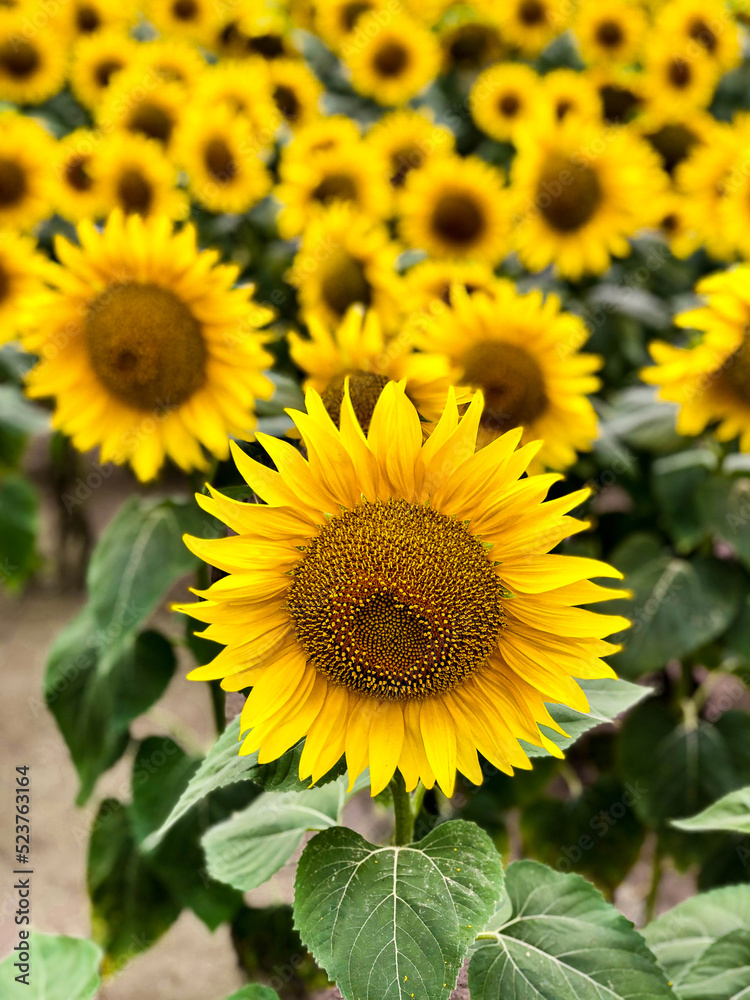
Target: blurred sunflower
(76, 195)
(470, 41)
(173, 60)
(265, 27)
(674, 224)
(579, 195)
(395, 60)
(96, 61)
(147, 348)
(523, 352)
(503, 99)
(702, 24)
(295, 90)
(564, 93)
(675, 138)
(33, 63)
(346, 258)
(529, 25)
(677, 83)
(610, 31)
(220, 155)
(27, 156)
(145, 104)
(336, 21)
(622, 92)
(703, 179)
(22, 271)
(244, 88)
(456, 208)
(350, 173)
(407, 140)
(195, 20)
(432, 280)
(436, 660)
(133, 173)
(89, 16)
(711, 379)
(357, 349)
(321, 136)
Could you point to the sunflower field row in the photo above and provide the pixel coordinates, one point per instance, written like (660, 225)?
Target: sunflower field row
(405, 333)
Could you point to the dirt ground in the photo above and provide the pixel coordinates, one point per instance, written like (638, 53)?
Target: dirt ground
(188, 961)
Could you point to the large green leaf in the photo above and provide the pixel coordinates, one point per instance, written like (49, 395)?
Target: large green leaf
(562, 942)
(19, 517)
(678, 605)
(731, 812)
(675, 482)
(726, 505)
(62, 968)
(681, 937)
(255, 991)
(95, 690)
(249, 847)
(386, 922)
(722, 972)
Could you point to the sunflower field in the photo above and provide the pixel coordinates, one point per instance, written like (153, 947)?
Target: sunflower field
(353, 353)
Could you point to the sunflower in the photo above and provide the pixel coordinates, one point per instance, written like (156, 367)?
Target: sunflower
(407, 140)
(433, 280)
(32, 63)
(456, 208)
(579, 194)
(678, 83)
(246, 32)
(622, 92)
(142, 102)
(702, 25)
(675, 138)
(503, 99)
(610, 31)
(733, 215)
(77, 195)
(321, 136)
(354, 640)
(295, 90)
(675, 226)
(470, 41)
(244, 88)
(523, 352)
(396, 59)
(703, 179)
(96, 61)
(26, 171)
(89, 16)
(350, 173)
(346, 258)
(172, 59)
(529, 25)
(134, 174)
(220, 154)
(146, 346)
(195, 20)
(336, 21)
(22, 271)
(711, 379)
(565, 93)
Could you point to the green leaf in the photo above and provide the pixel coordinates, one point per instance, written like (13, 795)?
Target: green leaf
(252, 845)
(139, 557)
(682, 936)
(282, 774)
(19, 521)
(607, 697)
(268, 947)
(19, 419)
(675, 481)
(726, 505)
(682, 767)
(131, 907)
(563, 942)
(62, 968)
(385, 922)
(95, 685)
(254, 991)
(678, 605)
(732, 812)
(722, 972)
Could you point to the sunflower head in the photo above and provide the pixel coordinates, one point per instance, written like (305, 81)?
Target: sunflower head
(26, 171)
(32, 62)
(503, 99)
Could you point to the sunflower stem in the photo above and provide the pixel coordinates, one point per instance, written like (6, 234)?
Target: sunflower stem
(653, 892)
(404, 829)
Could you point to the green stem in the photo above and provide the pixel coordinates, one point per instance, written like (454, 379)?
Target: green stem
(404, 830)
(418, 799)
(653, 892)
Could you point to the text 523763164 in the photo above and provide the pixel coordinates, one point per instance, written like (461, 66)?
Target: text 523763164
(23, 873)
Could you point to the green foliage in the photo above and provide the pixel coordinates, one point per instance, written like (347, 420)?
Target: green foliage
(19, 515)
(385, 921)
(562, 941)
(63, 968)
(254, 991)
(731, 812)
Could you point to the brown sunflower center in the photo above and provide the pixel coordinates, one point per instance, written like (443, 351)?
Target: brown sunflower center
(134, 193)
(568, 193)
(364, 391)
(700, 32)
(472, 44)
(153, 121)
(532, 13)
(391, 59)
(5, 283)
(287, 102)
(344, 283)
(12, 183)
(679, 73)
(76, 174)
(185, 10)
(219, 161)
(670, 223)
(87, 19)
(105, 70)
(609, 34)
(673, 143)
(509, 105)
(19, 58)
(351, 13)
(618, 103)
(562, 108)
(335, 187)
(512, 383)
(458, 219)
(736, 371)
(402, 161)
(267, 46)
(396, 600)
(145, 346)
